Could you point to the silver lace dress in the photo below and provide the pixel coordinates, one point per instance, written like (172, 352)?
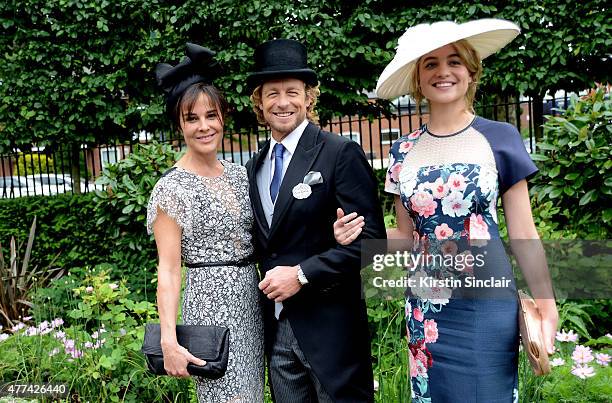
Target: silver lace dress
(216, 219)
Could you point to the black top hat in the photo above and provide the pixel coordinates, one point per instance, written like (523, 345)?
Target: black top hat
(281, 58)
(198, 66)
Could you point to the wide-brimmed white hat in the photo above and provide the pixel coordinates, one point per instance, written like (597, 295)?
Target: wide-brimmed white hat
(487, 36)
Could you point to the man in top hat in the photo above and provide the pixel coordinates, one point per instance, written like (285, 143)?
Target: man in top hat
(316, 323)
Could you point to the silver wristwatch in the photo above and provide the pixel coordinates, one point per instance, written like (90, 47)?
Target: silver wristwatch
(301, 277)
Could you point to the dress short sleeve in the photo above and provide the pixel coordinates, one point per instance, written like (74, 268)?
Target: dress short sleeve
(511, 157)
(397, 153)
(167, 197)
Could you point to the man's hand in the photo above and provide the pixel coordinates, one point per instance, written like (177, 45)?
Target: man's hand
(280, 283)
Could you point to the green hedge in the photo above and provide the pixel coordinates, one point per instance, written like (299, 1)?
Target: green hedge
(65, 225)
(67, 229)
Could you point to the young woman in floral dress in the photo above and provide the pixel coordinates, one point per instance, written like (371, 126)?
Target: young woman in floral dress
(447, 177)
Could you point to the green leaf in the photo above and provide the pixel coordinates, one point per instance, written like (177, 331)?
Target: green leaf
(588, 197)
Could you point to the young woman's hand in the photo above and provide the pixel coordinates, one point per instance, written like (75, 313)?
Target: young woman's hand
(347, 227)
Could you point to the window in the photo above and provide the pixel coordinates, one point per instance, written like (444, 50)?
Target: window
(355, 136)
(108, 155)
(388, 136)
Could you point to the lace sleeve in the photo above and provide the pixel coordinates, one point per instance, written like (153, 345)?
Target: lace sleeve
(167, 197)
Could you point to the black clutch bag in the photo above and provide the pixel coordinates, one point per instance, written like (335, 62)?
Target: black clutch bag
(209, 343)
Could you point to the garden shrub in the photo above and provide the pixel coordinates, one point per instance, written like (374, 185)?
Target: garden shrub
(64, 226)
(95, 349)
(123, 206)
(29, 164)
(575, 165)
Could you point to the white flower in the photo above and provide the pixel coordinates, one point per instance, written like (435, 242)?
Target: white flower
(57, 322)
(583, 371)
(582, 355)
(89, 289)
(53, 352)
(487, 180)
(556, 362)
(60, 335)
(113, 286)
(31, 331)
(492, 209)
(602, 359)
(455, 205)
(408, 180)
(3, 337)
(570, 336)
(17, 327)
(435, 295)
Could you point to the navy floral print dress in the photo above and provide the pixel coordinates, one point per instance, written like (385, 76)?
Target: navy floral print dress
(462, 339)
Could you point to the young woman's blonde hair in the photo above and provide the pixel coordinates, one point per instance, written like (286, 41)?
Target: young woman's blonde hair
(470, 58)
(312, 94)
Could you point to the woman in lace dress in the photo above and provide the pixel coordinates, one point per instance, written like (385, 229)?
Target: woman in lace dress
(200, 213)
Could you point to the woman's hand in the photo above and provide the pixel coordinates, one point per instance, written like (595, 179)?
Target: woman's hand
(176, 359)
(550, 320)
(347, 227)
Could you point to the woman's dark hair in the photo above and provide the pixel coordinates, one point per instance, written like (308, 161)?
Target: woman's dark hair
(191, 95)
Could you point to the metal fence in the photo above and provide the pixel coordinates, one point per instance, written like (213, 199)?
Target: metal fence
(44, 172)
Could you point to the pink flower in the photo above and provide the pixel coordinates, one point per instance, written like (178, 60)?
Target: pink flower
(395, 171)
(31, 331)
(556, 362)
(89, 289)
(423, 203)
(479, 230)
(17, 327)
(439, 189)
(414, 135)
(570, 336)
(443, 231)
(113, 286)
(413, 367)
(582, 355)
(583, 371)
(456, 182)
(405, 146)
(76, 353)
(60, 335)
(602, 359)
(449, 248)
(431, 331)
(418, 315)
(57, 322)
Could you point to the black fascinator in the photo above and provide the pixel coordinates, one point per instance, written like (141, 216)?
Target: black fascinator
(198, 67)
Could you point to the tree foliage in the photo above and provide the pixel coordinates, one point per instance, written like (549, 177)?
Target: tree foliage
(80, 71)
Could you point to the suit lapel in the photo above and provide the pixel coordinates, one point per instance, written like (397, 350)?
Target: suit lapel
(260, 216)
(305, 154)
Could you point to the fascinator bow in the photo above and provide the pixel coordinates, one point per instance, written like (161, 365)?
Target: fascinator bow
(198, 66)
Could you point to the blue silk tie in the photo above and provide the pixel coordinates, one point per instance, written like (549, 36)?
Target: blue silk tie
(278, 151)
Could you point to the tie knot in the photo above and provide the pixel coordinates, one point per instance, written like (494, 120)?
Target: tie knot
(278, 150)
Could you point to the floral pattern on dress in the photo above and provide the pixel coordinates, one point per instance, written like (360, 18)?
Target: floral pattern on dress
(453, 208)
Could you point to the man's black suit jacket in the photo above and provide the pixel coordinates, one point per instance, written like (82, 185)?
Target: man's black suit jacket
(328, 315)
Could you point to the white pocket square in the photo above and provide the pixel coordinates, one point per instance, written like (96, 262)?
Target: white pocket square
(313, 178)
